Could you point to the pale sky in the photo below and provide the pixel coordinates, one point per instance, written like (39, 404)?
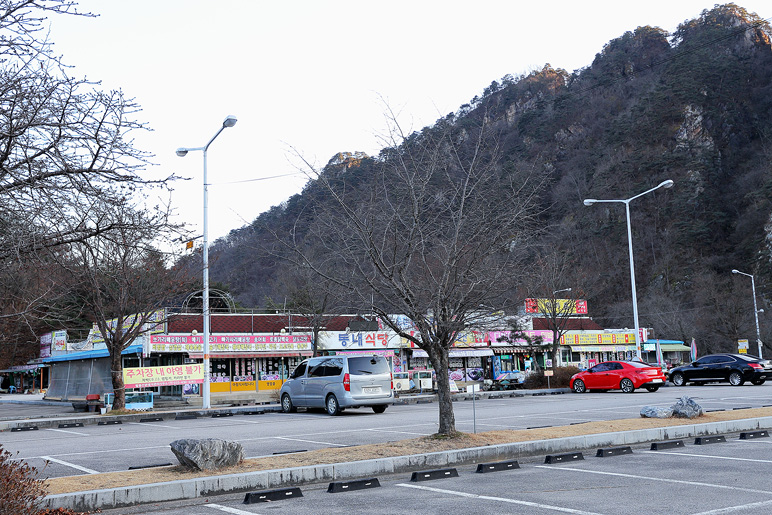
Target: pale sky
(313, 75)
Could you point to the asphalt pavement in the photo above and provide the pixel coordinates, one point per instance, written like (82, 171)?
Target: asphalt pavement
(22, 412)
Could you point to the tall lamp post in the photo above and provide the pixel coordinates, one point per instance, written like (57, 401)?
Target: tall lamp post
(230, 121)
(755, 309)
(590, 201)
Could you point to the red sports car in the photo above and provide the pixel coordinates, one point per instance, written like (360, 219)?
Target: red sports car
(623, 375)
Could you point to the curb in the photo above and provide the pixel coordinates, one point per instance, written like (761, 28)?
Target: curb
(233, 483)
(94, 419)
(53, 421)
(480, 395)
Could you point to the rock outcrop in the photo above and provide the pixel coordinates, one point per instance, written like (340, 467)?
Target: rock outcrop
(208, 453)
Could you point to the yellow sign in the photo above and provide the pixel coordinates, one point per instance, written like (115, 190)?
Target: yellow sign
(269, 385)
(163, 376)
(598, 339)
(243, 386)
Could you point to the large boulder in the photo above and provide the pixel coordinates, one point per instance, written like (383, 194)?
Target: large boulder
(686, 408)
(208, 453)
(656, 412)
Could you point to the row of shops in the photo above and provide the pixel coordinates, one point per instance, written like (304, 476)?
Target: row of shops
(256, 353)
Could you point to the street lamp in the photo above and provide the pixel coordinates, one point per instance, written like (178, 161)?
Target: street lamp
(756, 311)
(558, 291)
(230, 121)
(590, 201)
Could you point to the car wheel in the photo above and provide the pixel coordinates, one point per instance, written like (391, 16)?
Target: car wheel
(379, 409)
(758, 382)
(579, 386)
(736, 378)
(332, 405)
(652, 389)
(286, 404)
(678, 379)
(626, 385)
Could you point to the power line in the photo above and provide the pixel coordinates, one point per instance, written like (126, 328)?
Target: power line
(256, 179)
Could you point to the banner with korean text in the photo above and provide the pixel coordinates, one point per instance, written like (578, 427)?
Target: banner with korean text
(163, 376)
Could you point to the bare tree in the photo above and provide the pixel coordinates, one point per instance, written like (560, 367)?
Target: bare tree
(64, 146)
(437, 236)
(554, 289)
(121, 281)
(63, 142)
(311, 303)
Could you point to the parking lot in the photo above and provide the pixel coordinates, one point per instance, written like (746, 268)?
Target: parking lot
(95, 449)
(727, 477)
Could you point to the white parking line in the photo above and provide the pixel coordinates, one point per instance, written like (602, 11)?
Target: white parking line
(111, 451)
(732, 509)
(663, 480)
(148, 424)
(310, 441)
(78, 467)
(229, 510)
(709, 456)
(398, 432)
(498, 499)
(65, 431)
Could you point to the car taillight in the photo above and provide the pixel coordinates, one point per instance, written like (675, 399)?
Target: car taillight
(346, 382)
(755, 365)
(391, 378)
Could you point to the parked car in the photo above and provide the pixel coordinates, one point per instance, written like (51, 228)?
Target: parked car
(339, 382)
(732, 368)
(622, 375)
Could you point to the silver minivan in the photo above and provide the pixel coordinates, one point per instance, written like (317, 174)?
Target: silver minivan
(339, 382)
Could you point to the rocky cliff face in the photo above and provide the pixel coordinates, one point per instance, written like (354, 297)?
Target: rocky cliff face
(694, 106)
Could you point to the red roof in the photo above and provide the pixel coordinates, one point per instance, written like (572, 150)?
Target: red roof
(572, 324)
(252, 323)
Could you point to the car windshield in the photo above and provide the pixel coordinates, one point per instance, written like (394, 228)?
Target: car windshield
(368, 365)
(638, 364)
(746, 357)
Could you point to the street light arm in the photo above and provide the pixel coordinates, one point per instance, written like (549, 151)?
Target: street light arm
(230, 121)
(664, 184)
(588, 202)
(591, 201)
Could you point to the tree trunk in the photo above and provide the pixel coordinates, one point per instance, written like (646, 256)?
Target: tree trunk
(116, 372)
(447, 417)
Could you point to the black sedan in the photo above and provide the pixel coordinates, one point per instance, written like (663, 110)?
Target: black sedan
(734, 368)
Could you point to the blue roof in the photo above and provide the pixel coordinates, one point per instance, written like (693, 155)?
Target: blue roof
(92, 354)
(664, 342)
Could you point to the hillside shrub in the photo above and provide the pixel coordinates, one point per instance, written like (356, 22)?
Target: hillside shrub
(536, 380)
(21, 492)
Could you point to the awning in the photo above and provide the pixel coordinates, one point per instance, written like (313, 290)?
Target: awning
(667, 347)
(22, 368)
(457, 353)
(91, 354)
(498, 351)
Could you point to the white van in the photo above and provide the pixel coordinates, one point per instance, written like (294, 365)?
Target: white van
(339, 382)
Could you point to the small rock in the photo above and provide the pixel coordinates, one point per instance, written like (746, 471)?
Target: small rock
(686, 408)
(208, 453)
(656, 412)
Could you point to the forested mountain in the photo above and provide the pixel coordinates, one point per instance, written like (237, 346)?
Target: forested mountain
(694, 106)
